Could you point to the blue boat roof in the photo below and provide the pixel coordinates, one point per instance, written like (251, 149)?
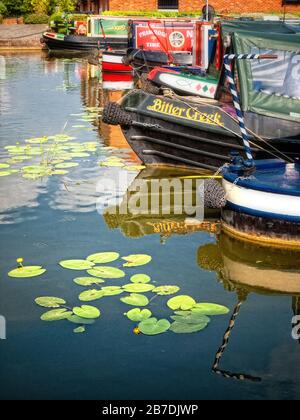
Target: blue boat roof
(272, 176)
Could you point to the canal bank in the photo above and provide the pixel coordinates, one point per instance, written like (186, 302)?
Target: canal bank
(21, 37)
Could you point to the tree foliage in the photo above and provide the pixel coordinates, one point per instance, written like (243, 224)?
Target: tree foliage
(39, 7)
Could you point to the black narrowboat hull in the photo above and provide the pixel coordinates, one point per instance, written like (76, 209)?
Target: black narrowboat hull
(170, 132)
(82, 43)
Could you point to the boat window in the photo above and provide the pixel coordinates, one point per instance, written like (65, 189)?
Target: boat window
(279, 77)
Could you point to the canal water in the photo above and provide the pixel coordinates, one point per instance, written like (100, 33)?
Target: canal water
(70, 216)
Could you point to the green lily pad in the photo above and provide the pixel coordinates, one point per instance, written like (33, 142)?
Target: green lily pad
(90, 295)
(138, 315)
(50, 302)
(185, 328)
(138, 288)
(166, 290)
(87, 312)
(5, 173)
(26, 272)
(181, 302)
(82, 321)
(79, 330)
(56, 315)
(113, 164)
(210, 309)
(88, 281)
(76, 264)
(106, 272)
(103, 257)
(112, 290)
(66, 165)
(4, 166)
(191, 319)
(136, 260)
(140, 278)
(152, 326)
(60, 172)
(135, 299)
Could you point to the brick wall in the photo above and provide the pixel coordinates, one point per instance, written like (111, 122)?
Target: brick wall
(224, 6)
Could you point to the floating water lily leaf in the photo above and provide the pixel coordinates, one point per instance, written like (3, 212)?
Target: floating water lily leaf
(87, 281)
(56, 315)
(50, 302)
(136, 260)
(86, 311)
(140, 278)
(26, 272)
(152, 326)
(4, 166)
(66, 165)
(60, 172)
(5, 173)
(106, 272)
(166, 290)
(191, 319)
(135, 299)
(103, 257)
(112, 290)
(112, 164)
(210, 309)
(138, 315)
(82, 321)
(185, 328)
(79, 330)
(77, 264)
(181, 302)
(90, 295)
(138, 287)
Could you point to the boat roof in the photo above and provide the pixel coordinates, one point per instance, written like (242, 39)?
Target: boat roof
(260, 26)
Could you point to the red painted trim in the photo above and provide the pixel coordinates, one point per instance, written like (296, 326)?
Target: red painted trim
(116, 67)
(117, 77)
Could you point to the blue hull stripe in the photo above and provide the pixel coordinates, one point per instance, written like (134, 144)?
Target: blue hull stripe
(266, 215)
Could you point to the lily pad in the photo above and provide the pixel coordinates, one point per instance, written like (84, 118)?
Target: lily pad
(136, 260)
(76, 264)
(210, 309)
(191, 319)
(5, 173)
(4, 166)
(87, 312)
(181, 302)
(26, 272)
(138, 315)
(106, 272)
(79, 330)
(90, 295)
(138, 288)
(152, 326)
(60, 172)
(88, 281)
(135, 299)
(112, 290)
(50, 302)
(66, 165)
(185, 328)
(82, 321)
(112, 164)
(140, 278)
(166, 290)
(56, 315)
(103, 257)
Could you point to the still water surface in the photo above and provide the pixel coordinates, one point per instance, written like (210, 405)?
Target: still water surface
(55, 219)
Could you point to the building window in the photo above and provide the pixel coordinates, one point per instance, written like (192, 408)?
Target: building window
(168, 4)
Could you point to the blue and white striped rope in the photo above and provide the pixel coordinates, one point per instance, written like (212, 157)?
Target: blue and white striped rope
(228, 58)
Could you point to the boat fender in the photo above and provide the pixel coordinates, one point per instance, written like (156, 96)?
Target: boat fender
(214, 195)
(114, 114)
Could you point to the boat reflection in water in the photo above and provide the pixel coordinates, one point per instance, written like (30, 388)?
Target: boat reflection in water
(245, 268)
(161, 201)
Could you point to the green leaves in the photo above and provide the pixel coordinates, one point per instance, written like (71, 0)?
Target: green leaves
(50, 302)
(183, 328)
(166, 290)
(87, 281)
(106, 272)
(188, 322)
(152, 326)
(210, 309)
(112, 290)
(138, 288)
(103, 257)
(26, 272)
(136, 260)
(135, 300)
(90, 295)
(82, 321)
(140, 278)
(86, 311)
(76, 264)
(138, 315)
(181, 302)
(56, 315)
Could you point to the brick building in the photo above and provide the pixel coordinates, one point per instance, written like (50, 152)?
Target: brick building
(222, 6)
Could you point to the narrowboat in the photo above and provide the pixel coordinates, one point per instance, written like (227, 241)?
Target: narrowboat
(201, 132)
(101, 33)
